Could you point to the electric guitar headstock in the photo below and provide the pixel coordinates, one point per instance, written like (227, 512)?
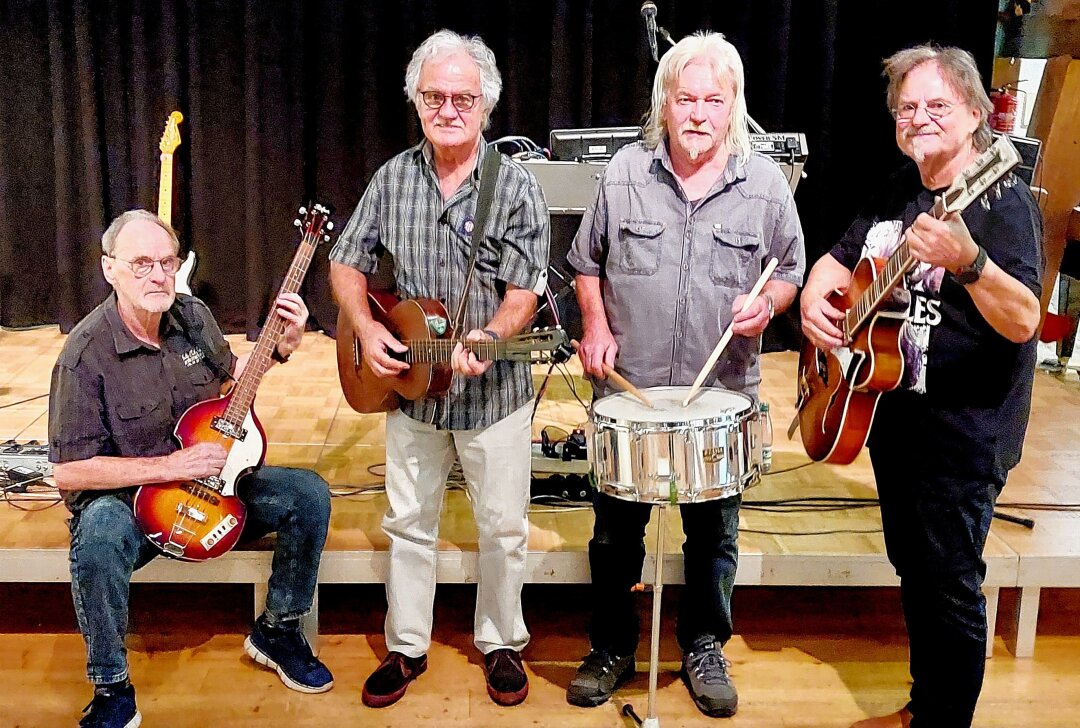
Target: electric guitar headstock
(170, 138)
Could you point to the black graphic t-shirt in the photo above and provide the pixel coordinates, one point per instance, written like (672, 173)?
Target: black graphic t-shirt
(966, 392)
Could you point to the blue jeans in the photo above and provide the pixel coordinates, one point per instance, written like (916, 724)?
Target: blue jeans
(107, 546)
(935, 529)
(617, 553)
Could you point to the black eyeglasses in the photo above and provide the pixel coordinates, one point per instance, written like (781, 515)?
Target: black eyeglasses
(435, 100)
(141, 267)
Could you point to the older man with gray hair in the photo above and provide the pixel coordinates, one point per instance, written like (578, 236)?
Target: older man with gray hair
(943, 442)
(420, 207)
(665, 256)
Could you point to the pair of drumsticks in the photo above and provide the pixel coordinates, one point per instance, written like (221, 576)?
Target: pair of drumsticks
(621, 382)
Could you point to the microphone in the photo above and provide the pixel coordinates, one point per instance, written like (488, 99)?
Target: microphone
(648, 11)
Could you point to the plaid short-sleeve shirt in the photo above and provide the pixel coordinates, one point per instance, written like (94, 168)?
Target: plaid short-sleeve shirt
(403, 213)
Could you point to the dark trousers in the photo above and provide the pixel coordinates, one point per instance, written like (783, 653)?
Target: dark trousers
(616, 556)
(107, 546)
(935, 530)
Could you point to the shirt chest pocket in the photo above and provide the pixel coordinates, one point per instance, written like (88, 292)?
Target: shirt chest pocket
(733, 254)
(638, 249)
(140, 423)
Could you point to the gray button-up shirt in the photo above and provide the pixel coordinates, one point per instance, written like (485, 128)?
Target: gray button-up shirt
(403, 213)
(672, 267)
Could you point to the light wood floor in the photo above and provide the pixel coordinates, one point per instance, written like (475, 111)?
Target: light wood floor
(189, 669)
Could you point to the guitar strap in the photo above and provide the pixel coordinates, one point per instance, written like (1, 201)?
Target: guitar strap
(489, 173)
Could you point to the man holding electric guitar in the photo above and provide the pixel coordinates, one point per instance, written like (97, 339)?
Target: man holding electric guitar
(127, 374)
(468, 230)
(943, 368)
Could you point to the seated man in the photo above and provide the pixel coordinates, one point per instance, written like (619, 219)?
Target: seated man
(126, 374)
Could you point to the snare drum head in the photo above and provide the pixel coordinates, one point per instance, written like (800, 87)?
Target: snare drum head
(708, 404)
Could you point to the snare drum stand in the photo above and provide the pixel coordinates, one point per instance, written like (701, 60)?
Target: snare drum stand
(651, 720)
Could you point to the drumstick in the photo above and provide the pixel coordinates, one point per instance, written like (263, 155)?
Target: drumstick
(722, 344)
(620, 380)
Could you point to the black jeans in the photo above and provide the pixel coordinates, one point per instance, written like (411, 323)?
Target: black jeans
(616, 556)
(935, 530)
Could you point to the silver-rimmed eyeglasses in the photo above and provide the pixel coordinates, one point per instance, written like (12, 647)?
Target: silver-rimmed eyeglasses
(935, 109)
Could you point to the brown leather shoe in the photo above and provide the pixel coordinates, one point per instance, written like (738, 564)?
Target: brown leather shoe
(899, 719)
(391, 679)
(507, 683)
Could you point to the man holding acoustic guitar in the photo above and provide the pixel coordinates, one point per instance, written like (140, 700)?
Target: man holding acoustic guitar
(957, 349)
(427, 207)
(127, 373)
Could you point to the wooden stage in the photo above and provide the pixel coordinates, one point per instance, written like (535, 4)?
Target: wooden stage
(839, 677)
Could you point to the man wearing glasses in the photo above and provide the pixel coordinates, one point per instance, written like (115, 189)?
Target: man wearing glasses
(420, 207)
(126, 374)
(944, 441)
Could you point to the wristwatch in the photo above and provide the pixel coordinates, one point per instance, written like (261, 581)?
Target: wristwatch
(970, 273)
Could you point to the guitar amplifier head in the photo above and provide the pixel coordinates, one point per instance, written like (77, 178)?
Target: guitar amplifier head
(787, 149)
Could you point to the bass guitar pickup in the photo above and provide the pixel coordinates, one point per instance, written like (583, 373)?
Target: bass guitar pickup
(228, 429)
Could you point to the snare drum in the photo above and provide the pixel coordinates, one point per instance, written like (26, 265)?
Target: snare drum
(705, 451)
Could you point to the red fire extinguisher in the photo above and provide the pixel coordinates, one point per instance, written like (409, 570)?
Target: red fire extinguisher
(1005, 102)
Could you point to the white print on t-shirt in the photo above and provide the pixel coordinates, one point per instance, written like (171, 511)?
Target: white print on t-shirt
(924, 311)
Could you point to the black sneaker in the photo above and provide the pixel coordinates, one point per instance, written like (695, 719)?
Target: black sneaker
(285, 649)
(391, 679)
(507, 683)
(598, 677)
(113, 706)
(705, 672)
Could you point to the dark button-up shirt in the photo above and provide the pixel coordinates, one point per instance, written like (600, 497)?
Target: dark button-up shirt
(403, 213)
(672, 267)
(115, 395)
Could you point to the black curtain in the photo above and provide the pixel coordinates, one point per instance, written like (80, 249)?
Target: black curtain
(290, 100)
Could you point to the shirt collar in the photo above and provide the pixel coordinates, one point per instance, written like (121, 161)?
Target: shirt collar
(735, 170)
(126, 342)
(424, 152)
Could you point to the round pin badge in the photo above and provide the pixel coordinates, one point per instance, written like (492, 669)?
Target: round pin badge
(468, 227)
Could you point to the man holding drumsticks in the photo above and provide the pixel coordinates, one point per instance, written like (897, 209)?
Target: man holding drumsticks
(681, 227)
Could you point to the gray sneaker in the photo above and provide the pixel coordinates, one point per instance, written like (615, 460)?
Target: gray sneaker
(598, 677)
(705, 672)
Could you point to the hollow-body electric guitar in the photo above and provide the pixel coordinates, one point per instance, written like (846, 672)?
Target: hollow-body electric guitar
(423, 325)
(197, 520)
(838, 390)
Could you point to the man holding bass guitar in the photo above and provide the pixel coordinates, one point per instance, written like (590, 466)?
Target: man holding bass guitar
(422, 207)
(126, 374)
(943, 442)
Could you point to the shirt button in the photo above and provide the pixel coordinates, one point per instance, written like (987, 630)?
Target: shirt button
(686, 266)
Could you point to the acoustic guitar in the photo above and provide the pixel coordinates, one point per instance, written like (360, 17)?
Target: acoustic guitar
(838, 390)
(197, 520)
(422, 324)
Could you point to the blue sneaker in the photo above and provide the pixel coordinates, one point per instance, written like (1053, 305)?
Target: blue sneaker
(112, 707)
(284, 648)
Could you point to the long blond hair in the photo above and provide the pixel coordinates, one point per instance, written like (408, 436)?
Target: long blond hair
(724, 61)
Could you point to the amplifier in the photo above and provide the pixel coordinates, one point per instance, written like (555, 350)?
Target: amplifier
(788, 149)
(780, 145)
